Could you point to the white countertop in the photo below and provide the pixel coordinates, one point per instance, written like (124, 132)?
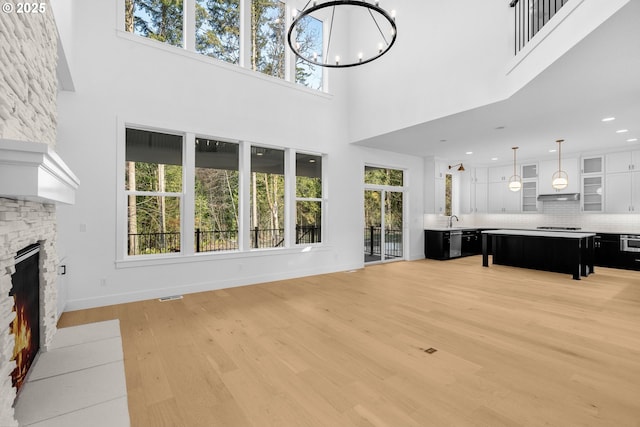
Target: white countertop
(450, 229)
(541, 233)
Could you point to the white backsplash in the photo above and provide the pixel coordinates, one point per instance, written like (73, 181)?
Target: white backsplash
(551, 214)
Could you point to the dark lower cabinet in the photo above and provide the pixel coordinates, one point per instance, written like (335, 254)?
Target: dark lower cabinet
(631, 260)
(471, 243)
(437, 244)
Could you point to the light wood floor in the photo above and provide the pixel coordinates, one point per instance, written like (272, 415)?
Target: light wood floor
(514, 347)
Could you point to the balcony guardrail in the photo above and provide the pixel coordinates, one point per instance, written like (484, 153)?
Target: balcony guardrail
(530, 16)
(392, 242)
(217, 240)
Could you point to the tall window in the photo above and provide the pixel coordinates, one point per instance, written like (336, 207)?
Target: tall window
(267, 198)
(268, 37)
(218, 29)
(308, 198)
(160, 20)
(309, 40)
(153, 184)
(216, 196)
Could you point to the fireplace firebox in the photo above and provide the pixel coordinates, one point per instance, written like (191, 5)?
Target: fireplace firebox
(25, 327)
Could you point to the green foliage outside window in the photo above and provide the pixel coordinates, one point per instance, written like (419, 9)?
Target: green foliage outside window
(268, 37)
(218, 29)
(156, 19)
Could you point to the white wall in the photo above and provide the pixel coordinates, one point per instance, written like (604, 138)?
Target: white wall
(449, 57)
(119, 77)
(453, 56)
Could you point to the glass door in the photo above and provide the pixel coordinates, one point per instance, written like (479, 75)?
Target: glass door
(373, 225)
(392, 239)
(383, 236)
(383, 214)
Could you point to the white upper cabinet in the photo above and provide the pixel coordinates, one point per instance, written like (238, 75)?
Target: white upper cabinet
(441, 169)
(592, 180)
(500, 173)
(592, 165)
(624, 161)
(622, 182)
(548, 167)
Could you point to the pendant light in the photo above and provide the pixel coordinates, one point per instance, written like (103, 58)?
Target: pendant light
(515, 182)
(560, 179)
(460, 169)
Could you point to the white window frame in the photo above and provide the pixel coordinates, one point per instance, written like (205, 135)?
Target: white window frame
(187, 200)
(189, 40)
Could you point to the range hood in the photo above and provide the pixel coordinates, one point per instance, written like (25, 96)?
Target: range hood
(33, 171)
(559, 197)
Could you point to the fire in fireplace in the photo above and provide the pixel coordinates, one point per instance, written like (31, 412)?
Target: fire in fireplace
(26, 325)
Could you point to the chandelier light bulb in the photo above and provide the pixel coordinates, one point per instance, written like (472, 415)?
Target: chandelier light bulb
(393, 14)
(337, 60)
(380, 46)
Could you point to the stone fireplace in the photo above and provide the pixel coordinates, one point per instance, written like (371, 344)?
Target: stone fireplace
(33, 178)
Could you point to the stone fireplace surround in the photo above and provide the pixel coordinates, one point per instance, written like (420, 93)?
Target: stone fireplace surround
(23, 223)
(32, 179)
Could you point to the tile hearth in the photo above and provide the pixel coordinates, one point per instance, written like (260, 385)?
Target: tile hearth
(80, 381)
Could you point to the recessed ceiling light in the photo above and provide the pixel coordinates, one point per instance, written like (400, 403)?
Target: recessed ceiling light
(608, 119)
(494, 158)
(553, 150)
(469, 152)
(622, 131)
(632, 140)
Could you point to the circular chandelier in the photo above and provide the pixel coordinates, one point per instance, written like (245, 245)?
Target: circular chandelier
(376, 32)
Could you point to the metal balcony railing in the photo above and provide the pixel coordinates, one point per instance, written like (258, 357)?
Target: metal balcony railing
(530, 16)
(217, 240)
(392, 242)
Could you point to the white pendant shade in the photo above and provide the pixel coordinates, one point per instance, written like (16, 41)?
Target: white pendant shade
(560, 179)
(515, 182)
(515, 186)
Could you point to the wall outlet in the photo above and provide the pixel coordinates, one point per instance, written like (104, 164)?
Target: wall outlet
(103, 282)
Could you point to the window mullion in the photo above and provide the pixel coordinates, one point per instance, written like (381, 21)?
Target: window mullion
(244, 181)
(189, 25)
(188, 201)
(245, 34)
(289, 197)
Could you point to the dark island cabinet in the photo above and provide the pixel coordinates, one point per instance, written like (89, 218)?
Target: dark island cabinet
(607, 253)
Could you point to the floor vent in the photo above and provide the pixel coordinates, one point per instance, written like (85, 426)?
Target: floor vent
(171, 298)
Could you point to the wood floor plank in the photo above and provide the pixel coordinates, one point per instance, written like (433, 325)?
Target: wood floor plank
(514, 347)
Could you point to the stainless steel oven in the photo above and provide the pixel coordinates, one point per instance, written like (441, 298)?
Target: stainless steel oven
(630, 242)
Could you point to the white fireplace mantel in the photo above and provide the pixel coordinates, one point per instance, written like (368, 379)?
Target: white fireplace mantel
(33, 171)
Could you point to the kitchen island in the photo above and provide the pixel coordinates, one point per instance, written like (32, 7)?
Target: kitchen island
(562, 252)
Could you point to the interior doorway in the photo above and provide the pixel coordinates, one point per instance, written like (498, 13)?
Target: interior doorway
(383, 215)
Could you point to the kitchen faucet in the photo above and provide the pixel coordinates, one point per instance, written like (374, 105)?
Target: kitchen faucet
(451, 220)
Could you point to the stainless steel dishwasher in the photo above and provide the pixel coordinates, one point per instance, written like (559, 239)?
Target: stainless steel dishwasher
(455, 244)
